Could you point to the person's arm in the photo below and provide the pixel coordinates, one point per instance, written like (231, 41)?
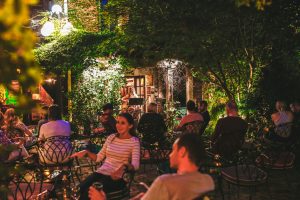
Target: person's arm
(274, 117)
(135, 156)
(42, 133)
(183, 121)
(25, 130)
(84, 153)
(94, 194)
(156, 191)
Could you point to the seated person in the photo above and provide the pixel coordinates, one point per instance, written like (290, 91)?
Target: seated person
(282, 121)
(296, 113)
(15, 154)
(43, 119)
(107, 121)
(120, 151)
(54, 127)
(192, 116)
(230, 131)
(13, 126)
(152, 126)
(188, 183)
(205, 114)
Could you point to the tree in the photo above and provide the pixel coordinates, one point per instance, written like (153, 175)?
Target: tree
(16, 44)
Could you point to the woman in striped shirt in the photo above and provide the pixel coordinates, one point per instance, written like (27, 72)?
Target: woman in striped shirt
(120, 151)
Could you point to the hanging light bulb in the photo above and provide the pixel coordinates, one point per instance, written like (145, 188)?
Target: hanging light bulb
(66, 29)
(56, 9)
(47, 29)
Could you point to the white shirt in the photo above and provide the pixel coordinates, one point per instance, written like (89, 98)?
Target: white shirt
(55, 128)
(118, 152)
(186, 186)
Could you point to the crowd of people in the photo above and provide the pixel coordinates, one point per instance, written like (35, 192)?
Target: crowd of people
(121, 150)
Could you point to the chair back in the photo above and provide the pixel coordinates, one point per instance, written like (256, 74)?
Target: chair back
(193, 127)
(55, 150)
(284, 130)
(26, 185)
(123, 193)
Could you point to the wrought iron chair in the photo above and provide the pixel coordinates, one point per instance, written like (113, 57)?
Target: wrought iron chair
(28, 185)
(93, 144)
(55, 151)
(54, 160)
(243, 173)
(123, 193)
(193, 127)
(116, 194)
(152, 154)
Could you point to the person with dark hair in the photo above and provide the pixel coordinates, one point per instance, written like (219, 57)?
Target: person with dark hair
(108, 122)
(230, 131)
(282, 120)
(205, 114)
(4, 140)
(120, 151)
(192, 116)
(188, 183)
(55, 125)
(58, 128)
(152, 127)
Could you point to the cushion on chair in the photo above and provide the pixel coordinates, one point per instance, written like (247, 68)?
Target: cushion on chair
(246, 175)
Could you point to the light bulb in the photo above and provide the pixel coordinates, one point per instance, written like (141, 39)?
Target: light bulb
(47, 29)
(56, 9)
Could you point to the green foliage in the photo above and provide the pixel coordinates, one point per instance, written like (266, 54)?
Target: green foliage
(16, 43)
(172, 114)
(84, 14)
(71, 51)
(98, 84)
(230, 48)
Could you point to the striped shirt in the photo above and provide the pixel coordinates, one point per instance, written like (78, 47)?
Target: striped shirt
(118, 152)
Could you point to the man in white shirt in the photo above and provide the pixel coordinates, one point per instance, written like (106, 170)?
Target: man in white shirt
(188, 183)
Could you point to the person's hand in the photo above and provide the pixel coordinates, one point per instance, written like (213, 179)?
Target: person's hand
(79, 154)
(118, 173)
(99, 130)
(138, 197)
(266, 129)
(94, 194)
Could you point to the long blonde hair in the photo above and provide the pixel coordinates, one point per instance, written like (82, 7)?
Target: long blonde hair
(10, 118)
